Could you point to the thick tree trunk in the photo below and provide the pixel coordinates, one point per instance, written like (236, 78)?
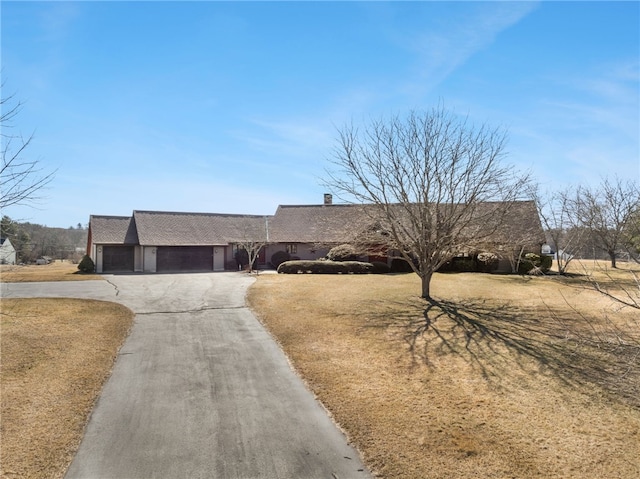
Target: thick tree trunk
(426, 285)
(612, 255)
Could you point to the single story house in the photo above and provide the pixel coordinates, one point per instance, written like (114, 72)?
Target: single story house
(159, 241)
(7, 252)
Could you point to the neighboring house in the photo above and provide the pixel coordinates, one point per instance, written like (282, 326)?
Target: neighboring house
(7, 252)
(156, 241)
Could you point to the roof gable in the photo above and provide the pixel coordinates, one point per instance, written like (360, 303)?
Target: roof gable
(113, 230)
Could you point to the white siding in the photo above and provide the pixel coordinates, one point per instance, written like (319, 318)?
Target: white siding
(149, 259)
(7, 253)
(98, 261)
(218, 258)
(138, 259)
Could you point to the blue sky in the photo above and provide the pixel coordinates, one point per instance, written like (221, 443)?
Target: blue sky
(233, 107)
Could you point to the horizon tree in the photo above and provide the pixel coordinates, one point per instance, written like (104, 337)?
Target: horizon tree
(436, 184)
(608, 211)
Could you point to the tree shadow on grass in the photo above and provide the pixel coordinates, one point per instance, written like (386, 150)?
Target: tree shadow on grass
(498, 340)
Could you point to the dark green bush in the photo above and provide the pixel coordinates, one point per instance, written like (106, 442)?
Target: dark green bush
(532, 263)
(343, 252)
(86, 265)
(279, 257)
(399, 265)
(464, 265)
(325, 267)
(380, 268)
(242, 257)
(546, 262)
(487, 262)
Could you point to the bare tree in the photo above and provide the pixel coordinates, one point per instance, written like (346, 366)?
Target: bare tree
(252, 233)
(607, 211)
(558, 216)
(21, 180)
(435, 183)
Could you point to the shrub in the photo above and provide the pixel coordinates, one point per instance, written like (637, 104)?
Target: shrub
(242, 258)
(533, 263)
(86, 265)
(398, 265)
(380, 268)
(279, 257)
(464, 265)
(325, 267)
(487, 262)
(343, 252)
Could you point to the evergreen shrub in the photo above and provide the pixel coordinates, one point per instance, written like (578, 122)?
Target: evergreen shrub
(380, 268)
(487, 262)
(325, 267)
(398, 265)
(343, 252)
(532, 263)
(86, 265)
(279, 257)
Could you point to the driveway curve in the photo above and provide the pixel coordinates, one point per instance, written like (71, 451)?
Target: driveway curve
(199, 389)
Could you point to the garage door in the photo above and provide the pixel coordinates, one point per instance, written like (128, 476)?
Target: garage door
(185, 258)
(117, 258)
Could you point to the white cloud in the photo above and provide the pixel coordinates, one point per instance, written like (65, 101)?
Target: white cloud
(288, 139)
(441, 51)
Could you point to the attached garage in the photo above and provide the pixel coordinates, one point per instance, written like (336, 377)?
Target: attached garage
(184, 258)
(161, 241)
(117, 258)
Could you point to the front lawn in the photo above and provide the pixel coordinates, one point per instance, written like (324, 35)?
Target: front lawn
(56, 271)
(506, 376)
(56, 355)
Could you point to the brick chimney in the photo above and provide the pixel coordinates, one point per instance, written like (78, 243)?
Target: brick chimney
(328, 199)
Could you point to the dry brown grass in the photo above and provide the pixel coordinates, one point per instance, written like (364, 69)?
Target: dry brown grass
(507, 377)
(56, 271)
(56, 354)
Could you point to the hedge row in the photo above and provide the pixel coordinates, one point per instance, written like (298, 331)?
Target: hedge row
(327, 267)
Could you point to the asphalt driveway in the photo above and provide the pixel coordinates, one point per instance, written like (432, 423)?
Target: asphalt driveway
(200, 389)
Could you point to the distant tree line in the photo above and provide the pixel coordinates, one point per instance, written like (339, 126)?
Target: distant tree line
(33, 241)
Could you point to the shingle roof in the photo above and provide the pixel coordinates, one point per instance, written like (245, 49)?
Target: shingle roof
(113, 230)
(341, 223)
(320, 224)
(161, 228)
(520, 223)
(317, 224)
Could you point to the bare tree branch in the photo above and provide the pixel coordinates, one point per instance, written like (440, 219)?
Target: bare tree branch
(559, 219)
(435, 183)
(607, 211)
(252, 233)
(21, 180)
